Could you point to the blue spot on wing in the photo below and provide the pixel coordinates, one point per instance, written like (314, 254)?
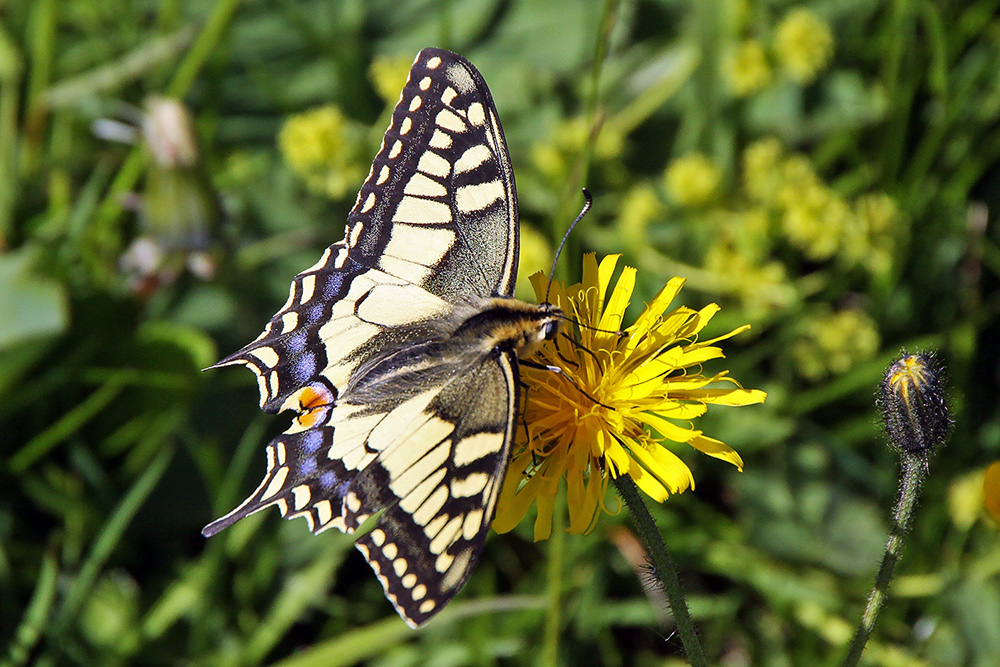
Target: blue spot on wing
(311, 441)
(297, 343)
(315, 313)
(307, 466)
(327, 480)
(304, 368)
(332, 285)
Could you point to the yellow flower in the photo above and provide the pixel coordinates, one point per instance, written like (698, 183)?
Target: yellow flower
(746, 68)
(762, 170)
(325, 148)
(614, 401)
(879, 230)
(991, 491)
(692, 180)
(833, 343)
(818, 224)
(803, 44)
(762, 286)
(535, 253)
(556, 156)
(388, 76)
(639, 207)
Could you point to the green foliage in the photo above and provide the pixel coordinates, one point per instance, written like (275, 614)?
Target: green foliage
(868, 228)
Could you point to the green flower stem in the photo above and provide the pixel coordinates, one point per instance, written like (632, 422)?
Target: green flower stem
(666, 571)
(553, 592)
(914, 472)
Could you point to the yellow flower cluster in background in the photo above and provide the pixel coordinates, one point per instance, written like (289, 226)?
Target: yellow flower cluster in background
(780, 200)
(760, 283)
(802, 45)
(814, 218)
(692, 180)
(832, 343)
(746, 68)
(326, 150)
(556, 155)
(388, 76)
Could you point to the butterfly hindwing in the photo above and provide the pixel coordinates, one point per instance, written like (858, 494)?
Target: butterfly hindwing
(443, 486)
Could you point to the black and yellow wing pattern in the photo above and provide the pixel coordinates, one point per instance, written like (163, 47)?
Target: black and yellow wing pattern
(397, 349)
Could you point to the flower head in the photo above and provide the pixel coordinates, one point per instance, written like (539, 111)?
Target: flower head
(804, 44)
(692, 180)
(746, 68)
(614, 402)
(991, 491)
(325, 148)
(914, 407)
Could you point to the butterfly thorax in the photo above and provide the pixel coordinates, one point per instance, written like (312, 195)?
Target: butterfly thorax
(510, 325)
(455, 344)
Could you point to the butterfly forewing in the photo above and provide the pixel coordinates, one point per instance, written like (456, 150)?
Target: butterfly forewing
(439, 208)
(397, 412)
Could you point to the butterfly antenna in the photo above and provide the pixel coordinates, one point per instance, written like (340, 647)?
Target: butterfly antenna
(617, 332)
(588, 201)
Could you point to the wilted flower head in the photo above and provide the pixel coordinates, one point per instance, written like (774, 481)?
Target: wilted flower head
(168, 130)
(615, 401)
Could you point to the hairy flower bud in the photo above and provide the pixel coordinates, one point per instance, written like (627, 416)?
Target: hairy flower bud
(914, 409)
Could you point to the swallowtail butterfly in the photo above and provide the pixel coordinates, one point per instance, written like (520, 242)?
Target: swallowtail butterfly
(398, 349)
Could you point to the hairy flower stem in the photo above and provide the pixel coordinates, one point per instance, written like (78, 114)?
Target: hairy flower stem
(914, 472)
(666, 571)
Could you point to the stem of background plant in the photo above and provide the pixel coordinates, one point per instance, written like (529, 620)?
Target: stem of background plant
(914, 471)
(553, 589)
(569, 200)
(666, 571)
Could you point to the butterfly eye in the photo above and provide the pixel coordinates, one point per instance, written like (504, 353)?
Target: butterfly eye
(550, 330)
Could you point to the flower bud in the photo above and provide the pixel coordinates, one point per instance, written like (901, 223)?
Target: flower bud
(914, 409)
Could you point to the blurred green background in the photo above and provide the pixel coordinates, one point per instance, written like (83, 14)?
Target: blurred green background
(825, 171)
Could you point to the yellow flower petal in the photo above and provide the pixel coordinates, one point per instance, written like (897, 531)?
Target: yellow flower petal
(718, 449)
(649, 485)
(546, 505)
(668, 430)
(614, 312)
(666, 466)
(654, 309)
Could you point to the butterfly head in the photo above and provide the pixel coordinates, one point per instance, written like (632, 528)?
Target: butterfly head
(542, 324)
(548, 327)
